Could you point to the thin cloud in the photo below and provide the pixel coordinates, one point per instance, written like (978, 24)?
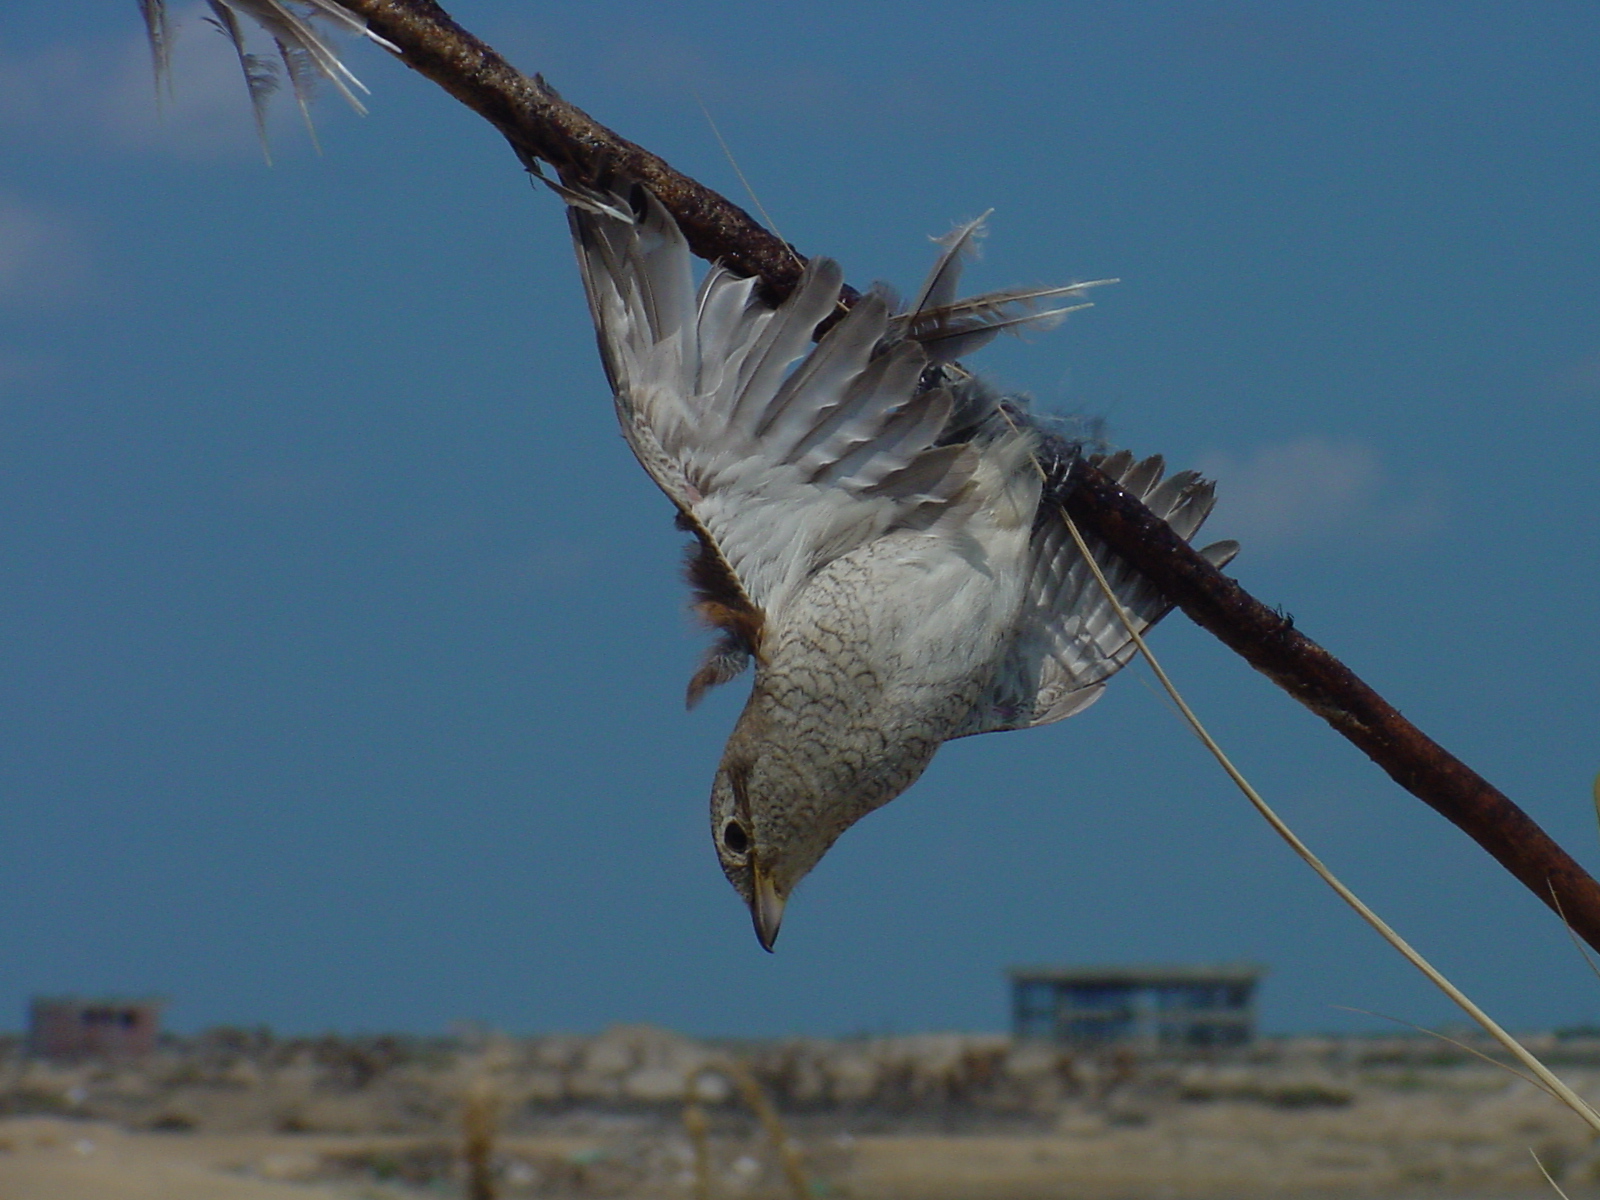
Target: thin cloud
(680, 70)
(1318, 489)
(553, 565)
(41, 259)
(1580, 378)
(297, 485)
(103, 92)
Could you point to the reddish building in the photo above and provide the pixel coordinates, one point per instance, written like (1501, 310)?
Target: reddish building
(72, 1027)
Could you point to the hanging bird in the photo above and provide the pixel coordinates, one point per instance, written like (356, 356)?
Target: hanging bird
(878, 531)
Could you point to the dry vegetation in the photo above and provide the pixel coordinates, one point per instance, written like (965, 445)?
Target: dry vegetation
(243, 1114)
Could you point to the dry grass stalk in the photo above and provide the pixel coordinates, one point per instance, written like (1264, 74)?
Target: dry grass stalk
(698, 1129)
(694, 1121)
(788, 1157)
(480, 1113)
(1542, 1074)
(1548, 1178)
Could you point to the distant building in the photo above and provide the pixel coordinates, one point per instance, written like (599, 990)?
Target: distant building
(1143, 1007)
(73, 1027)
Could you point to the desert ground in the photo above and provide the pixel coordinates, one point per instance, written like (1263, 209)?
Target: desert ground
(640, 1112)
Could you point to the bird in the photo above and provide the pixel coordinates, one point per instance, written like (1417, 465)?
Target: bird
(876, 530)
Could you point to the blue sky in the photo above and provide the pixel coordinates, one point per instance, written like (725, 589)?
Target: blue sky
(342, 643)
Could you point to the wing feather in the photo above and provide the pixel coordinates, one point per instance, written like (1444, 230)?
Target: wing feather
(781, 455)
(1069, 640)
(776, 467)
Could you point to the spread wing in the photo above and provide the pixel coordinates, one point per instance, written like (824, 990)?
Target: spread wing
(776, 471)
(1069, 640)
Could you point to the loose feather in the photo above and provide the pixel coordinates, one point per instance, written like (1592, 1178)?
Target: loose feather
(948, 336)
(303, 50)
(939, 289)
(159, 34)
(302, 75)
(289, 28)
(949, 329)
(260, 74)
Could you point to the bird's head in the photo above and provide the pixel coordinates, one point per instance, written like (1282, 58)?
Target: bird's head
(770, 829)
(812, 753)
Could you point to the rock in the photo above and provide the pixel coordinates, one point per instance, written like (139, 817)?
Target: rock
(589, 1087)
(852, 1077)
(711, 1087)
(655, 1085)
(542, 1087)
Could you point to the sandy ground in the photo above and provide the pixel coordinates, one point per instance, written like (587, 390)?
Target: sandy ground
(1214, 1152)
(1393, 1148)
(51, 1158)
(247, 1117)
(44, 1158)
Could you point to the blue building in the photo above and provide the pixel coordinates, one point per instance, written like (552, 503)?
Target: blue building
(1152, 1008)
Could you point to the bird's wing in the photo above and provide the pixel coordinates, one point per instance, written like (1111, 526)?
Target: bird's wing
(1068, 638)
(776, 471)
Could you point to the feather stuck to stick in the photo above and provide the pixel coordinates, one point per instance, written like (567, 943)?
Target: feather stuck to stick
(302, 50)
(949, 329)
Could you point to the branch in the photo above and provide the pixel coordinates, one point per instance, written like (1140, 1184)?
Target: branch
(1271, 644)
(539, 124)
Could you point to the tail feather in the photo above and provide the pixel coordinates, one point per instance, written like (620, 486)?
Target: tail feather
(1070, 639)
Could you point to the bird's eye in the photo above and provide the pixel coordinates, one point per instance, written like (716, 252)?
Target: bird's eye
(735, 838)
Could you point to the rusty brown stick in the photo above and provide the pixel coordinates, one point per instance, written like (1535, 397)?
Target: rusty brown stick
(540, 124)
(1269, 642)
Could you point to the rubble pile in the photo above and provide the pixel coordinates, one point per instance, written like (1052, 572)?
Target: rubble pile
(243, 1080)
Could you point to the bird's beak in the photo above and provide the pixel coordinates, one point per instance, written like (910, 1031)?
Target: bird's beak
(766, 907)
